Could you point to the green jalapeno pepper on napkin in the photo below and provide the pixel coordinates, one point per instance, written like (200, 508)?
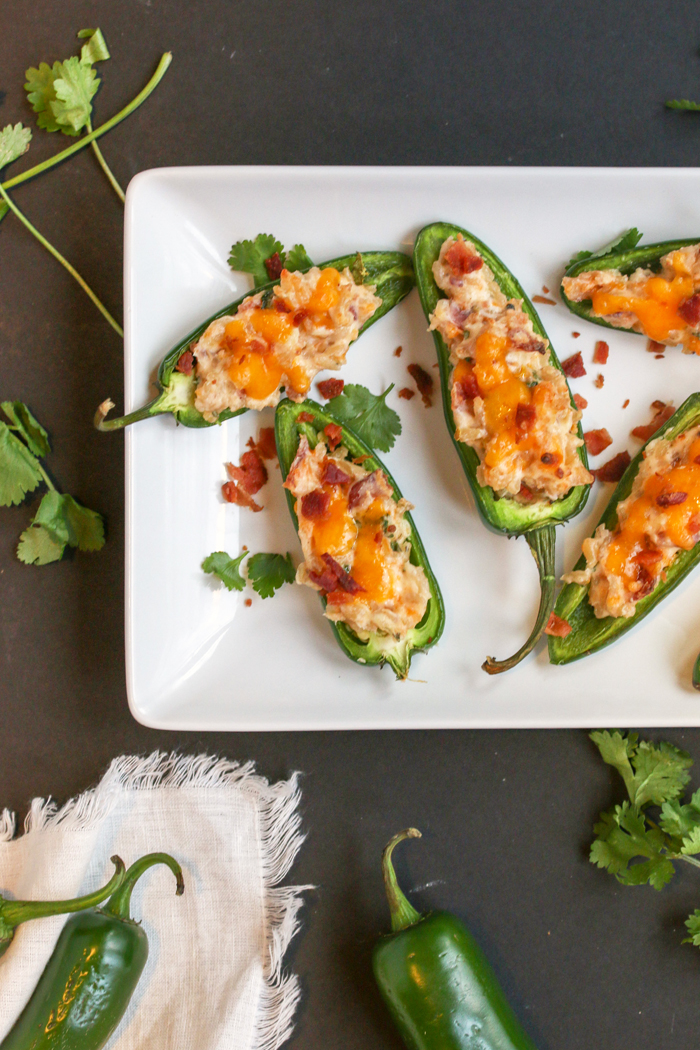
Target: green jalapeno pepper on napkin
(87, 983)
(391, 273)
(504, 515)
(436, 981)
(589, 633)
(376, 649)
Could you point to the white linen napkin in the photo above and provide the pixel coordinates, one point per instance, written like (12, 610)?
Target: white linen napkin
(214, 977)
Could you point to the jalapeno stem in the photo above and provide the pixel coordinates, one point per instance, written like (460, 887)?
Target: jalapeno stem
(12, 913)
(542, 544)
(403, 914)
(119, 903)
(102, 423)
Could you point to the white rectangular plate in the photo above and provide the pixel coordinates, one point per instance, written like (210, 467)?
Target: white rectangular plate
(197, 656)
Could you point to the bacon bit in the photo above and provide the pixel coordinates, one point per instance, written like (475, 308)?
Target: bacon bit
(626, 403)
(330, 388)
(461, 260)
(406, 393)
(281, 306)
(251, 475)
(557, 627)
(575, 335)
(299, 317)
(671, 499)
(468, 387)
(265, 444)
(345, 580)
(597, 441)
(542, 299)
(333, 475)
(545, 289)
(334, 433)
(305, 417)
(689, 310)
(424, 382)
(233, 493)
(391, 529)
(573, 367)
(315, 504)
(378, 537)
(600, 354)
(559, 472)
(599, 380)
(326, 580)
(663, 414)
(659, 357)
(655, 348)
(359, 489)
(185, 363)
(580, 402)
(525, 492)
(614, 468)
(361, 459)
(524, 418)
(646, 582)
(550, 458)
(648, 557)
(398, 351)
(248, 602)
(697, 460)
(274, 266)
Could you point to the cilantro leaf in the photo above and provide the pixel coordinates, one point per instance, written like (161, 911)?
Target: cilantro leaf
(691, 842)
(69, 522)
(226, 568)
(249, 256)
(39, 546)
(14, 141)
(95, 47)
(31, 430)
(693, 926)
(691, 107)
(268, 572)
(622, 838)
(75, 87)
(41, 93)
(678, 820)
(297, 258)
(653, 773)
(367, 415)
(19, 469)
(625, 243)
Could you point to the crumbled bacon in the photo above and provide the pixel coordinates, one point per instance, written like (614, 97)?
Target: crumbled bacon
(663, 414)
(233, 493)
(542, 299)
(251, 475)
(424, 382)
(468, 387)
(305, 417)
(598, 381)
(185, 363)
(398, 351)
(333, 475)
(524, 418)
(265, 445)
(573, 367)
(600, 354)
(626, 402)
(671, 499)
(368, 485)
(326, 580)
(689, 310)
(406, 393)
(461, 260)
(614, 468)
(299, 316)
(281, 306)
(248, 602)
(525, 493)
(655, 348)
(580, 402)
(330, 388)
(274, 266)
(545, 289)
(556, 627)
(646, 582)
(345, 580)
(575, 335)
(334, 433)
(550, 458)
(597, 441)
(314, 504)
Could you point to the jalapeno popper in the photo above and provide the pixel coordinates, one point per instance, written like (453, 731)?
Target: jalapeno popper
(507, 403)
(276, 339)
(652, 290)
(361, 549)
(646, 542)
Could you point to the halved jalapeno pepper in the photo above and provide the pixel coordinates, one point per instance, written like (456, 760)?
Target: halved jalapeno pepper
(377, 648)
(508, 516)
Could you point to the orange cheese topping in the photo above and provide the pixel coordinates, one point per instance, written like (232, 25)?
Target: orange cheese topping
(335, 533)
(502, 392)
(678, 521)
(656, 310)
(369, 566)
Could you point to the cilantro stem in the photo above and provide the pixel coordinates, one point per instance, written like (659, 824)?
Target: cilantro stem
(46, 477)
(684, 856)
(106, 168)
(165, 61)
(64, 262)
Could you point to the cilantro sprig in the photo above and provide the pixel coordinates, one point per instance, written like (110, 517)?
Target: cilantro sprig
(256, 258)
(367, 414)
(625, 243)
(60, 520)
(629, 844)
(266, 572)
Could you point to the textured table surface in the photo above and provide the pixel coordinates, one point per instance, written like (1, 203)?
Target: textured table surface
(507, 816)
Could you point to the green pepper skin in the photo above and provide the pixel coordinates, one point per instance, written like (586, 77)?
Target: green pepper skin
(503, 515)
(589, 634)
(371, 652)
(442, 992)
(647, 255)
(390, 272)
(436, 981)
(88, 982)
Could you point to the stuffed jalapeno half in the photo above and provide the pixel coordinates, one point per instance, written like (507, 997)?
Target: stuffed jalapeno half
(277, 337)
(362, 552)
(646, 542)
(650, 289)
(507, 403)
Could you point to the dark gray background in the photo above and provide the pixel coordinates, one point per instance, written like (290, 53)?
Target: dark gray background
(507, 816)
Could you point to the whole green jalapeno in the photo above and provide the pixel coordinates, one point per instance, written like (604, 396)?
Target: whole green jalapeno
(535, 522)
(87, 983)
(391, 273)
(441, 992)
